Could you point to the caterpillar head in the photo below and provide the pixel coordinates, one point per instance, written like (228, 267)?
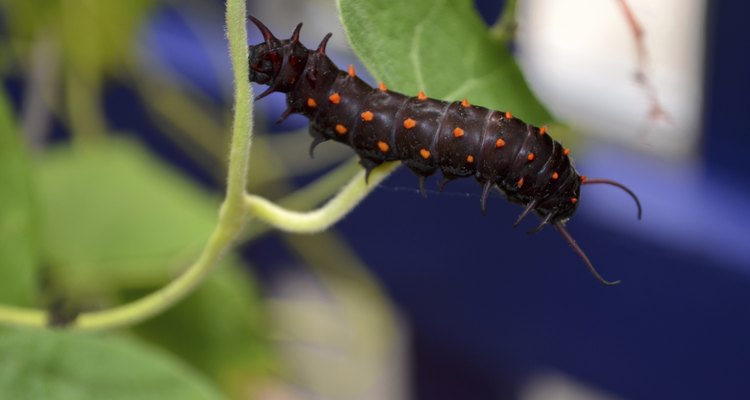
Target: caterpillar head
(276, 63)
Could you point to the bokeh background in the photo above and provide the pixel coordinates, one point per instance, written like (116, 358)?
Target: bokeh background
(125, 109)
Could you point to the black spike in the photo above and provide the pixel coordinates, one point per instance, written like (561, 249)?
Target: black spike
(265, 93)
(284, 115)
(270, 39)
(323, 43)
(295, 34)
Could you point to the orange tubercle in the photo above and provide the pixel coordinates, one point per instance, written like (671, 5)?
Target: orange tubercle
(469, 159)
(409, 123)
(352, 73)
(421, 95)
(573, 200)
(367, 116)
(530, 157)
(424, 153)
(520, 183)
(340, 129)
(555, 175)
(382, 87)
(311, 102)
(499, 143)
(335, 98)
(566, 151)
(508, 115)
(383, 146)
(543, 130)
(465, 103)
(583, 178)
(458, 132)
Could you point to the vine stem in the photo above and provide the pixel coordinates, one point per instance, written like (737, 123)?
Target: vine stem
(232, 216)
(322, 218)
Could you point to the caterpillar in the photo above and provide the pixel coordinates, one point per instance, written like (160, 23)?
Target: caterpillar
(458, 138)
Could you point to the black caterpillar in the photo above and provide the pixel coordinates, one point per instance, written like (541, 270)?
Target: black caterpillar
(425, 134)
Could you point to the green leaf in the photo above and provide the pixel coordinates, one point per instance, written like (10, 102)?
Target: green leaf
(55, 365)
(441, 47)
(114, 217)
(218, 330)
(119, 224)
(18, 252)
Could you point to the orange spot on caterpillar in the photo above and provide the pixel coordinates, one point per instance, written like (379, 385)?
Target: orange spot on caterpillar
(367, 116)
(465, 103)
(573, 200)
(424, 153)
(508, 115)
(311, 102)
(352, 74)
(583, 178)
(566, 151)
(335, 98)
(543, 130)
(340, 129)
(382, 87)
(555, 175)
(383, 146)
(409, 123)
(530, 157)
(499, 143)
(421, 96)
(469, 159)
(520, 183)
(458, 132)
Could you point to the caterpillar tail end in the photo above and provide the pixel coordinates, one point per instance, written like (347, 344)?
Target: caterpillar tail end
(568, 238)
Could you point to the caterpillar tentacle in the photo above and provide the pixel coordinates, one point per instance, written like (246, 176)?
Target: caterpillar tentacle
(458, 138)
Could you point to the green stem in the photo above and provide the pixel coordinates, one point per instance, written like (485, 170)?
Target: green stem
(164, 298)
(310, 195)
(323, 217)
(232, 217)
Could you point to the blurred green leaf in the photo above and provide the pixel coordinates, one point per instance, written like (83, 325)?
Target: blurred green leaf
(441, 47)
(118, 221)
(114, 217)
(54, 365)
(218, 329)
(18, 252)
(96, 36)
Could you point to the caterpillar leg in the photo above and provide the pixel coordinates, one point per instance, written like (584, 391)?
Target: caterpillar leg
(422, 190)
(368, 165)
(443, 181)
(318, 138)
(525, 212)
(541, 225)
